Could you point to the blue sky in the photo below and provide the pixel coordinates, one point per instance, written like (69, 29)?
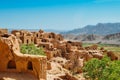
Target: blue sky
(57, 14)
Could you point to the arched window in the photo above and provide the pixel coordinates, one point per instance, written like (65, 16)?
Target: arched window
(11, 65)
(30, 66)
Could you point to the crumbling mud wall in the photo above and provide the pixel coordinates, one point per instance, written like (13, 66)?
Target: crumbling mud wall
(11, 60)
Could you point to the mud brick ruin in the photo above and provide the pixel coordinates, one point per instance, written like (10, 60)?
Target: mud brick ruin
(11, 60)
(54, 46)
(3, 31)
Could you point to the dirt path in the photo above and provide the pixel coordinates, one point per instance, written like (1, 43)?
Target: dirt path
(16, 76)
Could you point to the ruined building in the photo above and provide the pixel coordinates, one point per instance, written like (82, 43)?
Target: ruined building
(11, 60)
(3, 31)
(27, 37)
(54, 46)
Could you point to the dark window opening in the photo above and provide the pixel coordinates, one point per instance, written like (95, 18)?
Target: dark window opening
(51, 46)
(59, 39)
(27, 41)
(116, 58)
(69, 68)
(77, 45)
(43, 40)
(11, 65)
(54, 55)
(30, 66)
(43, 46)
(50, 37)
(37, 35)
(69, 41)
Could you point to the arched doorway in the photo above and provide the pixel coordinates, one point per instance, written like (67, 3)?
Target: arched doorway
(11, 64)
(29, 66)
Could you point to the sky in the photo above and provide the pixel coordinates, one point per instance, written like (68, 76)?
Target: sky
(57, 14)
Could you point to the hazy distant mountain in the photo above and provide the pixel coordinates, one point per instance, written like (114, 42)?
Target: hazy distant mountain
(92, 38)
(99, 29)
(112, 36)
(83, 37)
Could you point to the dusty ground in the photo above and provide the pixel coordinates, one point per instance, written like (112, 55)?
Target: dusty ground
(16, 76)
(57, 70)
(53, 74)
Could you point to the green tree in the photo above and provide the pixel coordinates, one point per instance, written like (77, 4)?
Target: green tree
(104, 69)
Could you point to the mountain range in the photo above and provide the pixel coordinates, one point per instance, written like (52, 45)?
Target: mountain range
(92, 38)
(98, 29)
(100, 33)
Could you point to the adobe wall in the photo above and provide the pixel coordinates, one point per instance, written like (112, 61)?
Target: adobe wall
(2, 31)
(11, 60)
(27, 37)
